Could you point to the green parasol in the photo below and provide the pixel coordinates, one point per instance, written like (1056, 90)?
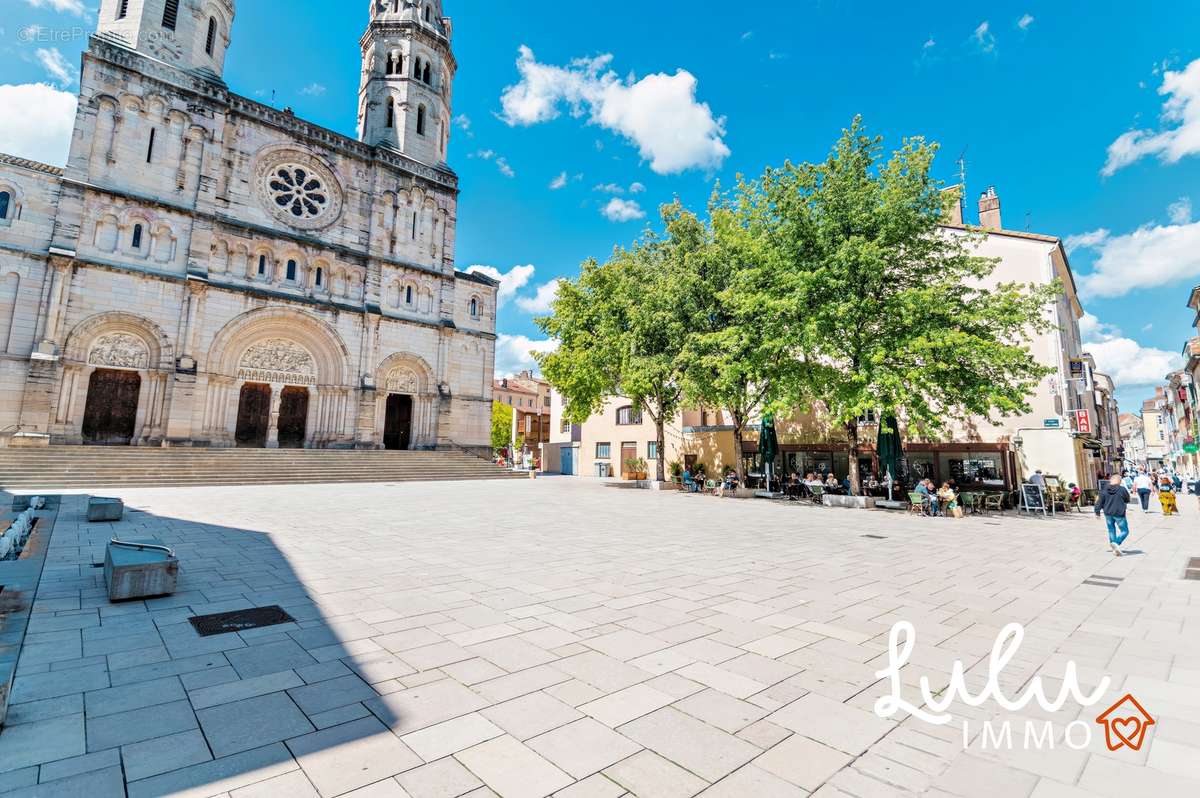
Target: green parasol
(768, 443)
(889, 448)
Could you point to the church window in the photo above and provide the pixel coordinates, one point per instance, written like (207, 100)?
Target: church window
(474, 308)
(426, 75)
(262, 265)
(5, 201)
(150, 147)
(291, 270)
(137, 236)
(320, 276)
(408, 295)
(391, 114)
(414, 226)
(122, 9)
(417, 68)
(298, 191)
(420, 120)
(427, 18)
(211, 40)
(170, 14)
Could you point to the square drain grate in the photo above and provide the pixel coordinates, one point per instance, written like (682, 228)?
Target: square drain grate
(1193, 569)
(1100, 580)
(239, 620)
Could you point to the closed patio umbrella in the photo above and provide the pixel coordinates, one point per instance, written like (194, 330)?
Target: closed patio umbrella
(768, 446)
(889, 447)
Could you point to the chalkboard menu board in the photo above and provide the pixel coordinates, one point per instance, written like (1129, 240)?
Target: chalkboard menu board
(1032, 498)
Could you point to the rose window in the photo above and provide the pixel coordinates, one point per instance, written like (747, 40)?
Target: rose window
(298, 191)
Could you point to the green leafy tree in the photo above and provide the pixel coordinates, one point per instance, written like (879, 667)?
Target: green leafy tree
(740, 360)
(623, 326)
(502, 416)
(886, 304)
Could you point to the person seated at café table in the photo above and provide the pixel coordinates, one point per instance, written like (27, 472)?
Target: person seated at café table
(925, 488)
(831, 483)
(947, 498)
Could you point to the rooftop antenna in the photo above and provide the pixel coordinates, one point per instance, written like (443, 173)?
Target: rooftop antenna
(1028, 220)
(272, 97)
(962, 169)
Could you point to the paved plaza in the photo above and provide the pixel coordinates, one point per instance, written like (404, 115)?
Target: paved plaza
(571, 638)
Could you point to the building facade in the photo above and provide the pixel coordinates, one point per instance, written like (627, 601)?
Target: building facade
(210, 271)
(529, 398)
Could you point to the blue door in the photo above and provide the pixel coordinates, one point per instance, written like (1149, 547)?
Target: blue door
(568, 460)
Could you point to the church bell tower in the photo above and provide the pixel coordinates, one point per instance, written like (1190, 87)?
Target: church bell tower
(189, 34)
(407, 73)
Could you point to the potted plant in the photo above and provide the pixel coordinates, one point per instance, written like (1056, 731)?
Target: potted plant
(630, 470)
(640, 467)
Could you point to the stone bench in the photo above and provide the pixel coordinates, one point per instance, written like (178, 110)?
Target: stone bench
(139, 568)
(100, 508)
(855, 502)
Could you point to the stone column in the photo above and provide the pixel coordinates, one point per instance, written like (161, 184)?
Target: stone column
(273, 422)
(312, 418)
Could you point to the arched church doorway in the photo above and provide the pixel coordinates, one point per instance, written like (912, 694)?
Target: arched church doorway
(110, 416)
(254, 415)
(397, 425)
(293, 417)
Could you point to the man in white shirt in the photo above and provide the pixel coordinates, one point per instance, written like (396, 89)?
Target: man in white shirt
(1038, 479)
(1144, 487)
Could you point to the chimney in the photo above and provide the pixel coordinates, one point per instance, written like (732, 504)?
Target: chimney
(989, 210)
(952, 196)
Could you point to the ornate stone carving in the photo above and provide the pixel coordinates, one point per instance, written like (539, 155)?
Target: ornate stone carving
(119, 350)
(402, 380)
(277, 360)
(297, 188)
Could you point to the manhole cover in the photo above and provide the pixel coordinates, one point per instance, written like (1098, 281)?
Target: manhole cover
(239, 620)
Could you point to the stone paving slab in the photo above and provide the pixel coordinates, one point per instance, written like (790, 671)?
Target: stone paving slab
(645, 644)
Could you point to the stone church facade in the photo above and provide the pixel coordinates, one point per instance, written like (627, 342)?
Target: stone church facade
(210, 271)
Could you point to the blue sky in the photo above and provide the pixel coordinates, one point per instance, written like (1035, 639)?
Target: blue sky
(1035, 92)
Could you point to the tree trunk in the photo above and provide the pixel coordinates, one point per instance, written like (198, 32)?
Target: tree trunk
(660, 467)
(852, 438)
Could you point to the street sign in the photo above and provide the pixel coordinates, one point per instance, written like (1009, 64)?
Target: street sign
(1052, 423)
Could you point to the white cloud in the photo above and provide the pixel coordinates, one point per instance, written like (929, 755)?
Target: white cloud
(929, 43)
(1124, 359)
(1180, 211)
(1150, 257)
(1130, 363)
(610, 188)
(72, 6)
(1025, 21)
(56, 65)
(748, 35)
(636, 188)
(313, 90)
(658, 113)
(1088, 240)
(622, 210)
(511, 281)
(559, 182)
(515, 353)
(462, 122)
(541, 300)
(983, 38)
(1180, 134)
(37, 122)
(501, 161)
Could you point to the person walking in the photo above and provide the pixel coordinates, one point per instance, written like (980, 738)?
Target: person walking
(1111, 502)
(1144, 486)
(1166, 495)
